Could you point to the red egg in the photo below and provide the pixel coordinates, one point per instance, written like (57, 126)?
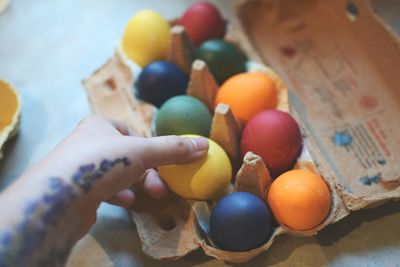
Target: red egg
(202, 22)
(275, 136)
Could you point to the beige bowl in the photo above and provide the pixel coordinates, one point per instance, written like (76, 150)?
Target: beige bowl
(10, 109)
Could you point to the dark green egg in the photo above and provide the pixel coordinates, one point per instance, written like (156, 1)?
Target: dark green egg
(223, 59)
(183, 115)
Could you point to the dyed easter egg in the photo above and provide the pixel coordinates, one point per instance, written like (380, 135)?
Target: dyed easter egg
(299, 199)
(223, 59)
(240, 221)
(159, 81)
(146, 37)
(183, 115)
(248, 94)
(203, 179)
(202, 22)
(274, 136)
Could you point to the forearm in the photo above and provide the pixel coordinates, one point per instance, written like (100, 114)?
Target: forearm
(54, 204)
(49, 209)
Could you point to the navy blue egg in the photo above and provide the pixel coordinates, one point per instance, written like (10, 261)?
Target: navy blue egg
(159, 81)
(240, 221)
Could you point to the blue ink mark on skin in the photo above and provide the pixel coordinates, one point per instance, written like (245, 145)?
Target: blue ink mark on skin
(39, 215)
(31, 207)
(84, 175)
(55, 183)
(106, 165)
(370, 179)
(342, 138)
(87, 174)
(49, 199)
(24, 226)
(87, 168)
(6, 239)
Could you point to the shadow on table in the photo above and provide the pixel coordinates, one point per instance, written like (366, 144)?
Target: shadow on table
(329, 237)
(120, 240)
(334, 232)
(285, 245)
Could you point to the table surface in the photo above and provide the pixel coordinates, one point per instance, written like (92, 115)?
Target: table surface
(47, 47)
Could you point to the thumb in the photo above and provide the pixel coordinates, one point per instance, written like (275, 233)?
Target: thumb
(165, 150)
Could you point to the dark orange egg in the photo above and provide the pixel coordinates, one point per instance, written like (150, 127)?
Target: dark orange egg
(299, 199)
(248, 94)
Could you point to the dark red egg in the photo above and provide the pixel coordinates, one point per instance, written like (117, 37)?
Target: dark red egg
(275, 136)
(203, 22)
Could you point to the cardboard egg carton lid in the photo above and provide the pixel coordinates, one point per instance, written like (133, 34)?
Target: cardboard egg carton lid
(341, 65)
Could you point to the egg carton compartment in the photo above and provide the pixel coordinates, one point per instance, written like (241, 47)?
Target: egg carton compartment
(173, 227)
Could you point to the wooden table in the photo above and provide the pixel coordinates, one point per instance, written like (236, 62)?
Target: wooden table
(47, 47)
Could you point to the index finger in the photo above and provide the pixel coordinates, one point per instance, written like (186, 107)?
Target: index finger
(165, 150)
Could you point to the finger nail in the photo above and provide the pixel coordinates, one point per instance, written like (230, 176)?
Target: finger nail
(200, 143)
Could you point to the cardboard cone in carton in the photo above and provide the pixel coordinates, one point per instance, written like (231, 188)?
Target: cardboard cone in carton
(253, 176)
(202, 84)
(226, 131)
(181, 51)
(166, 227)
(109, 92)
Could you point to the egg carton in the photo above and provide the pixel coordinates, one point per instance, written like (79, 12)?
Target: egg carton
(172, 227)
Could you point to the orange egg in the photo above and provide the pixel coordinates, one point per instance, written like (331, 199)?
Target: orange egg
(299, 199)
(248, 94)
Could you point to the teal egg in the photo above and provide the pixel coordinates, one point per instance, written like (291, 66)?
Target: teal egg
(223, 59)
(183, 115)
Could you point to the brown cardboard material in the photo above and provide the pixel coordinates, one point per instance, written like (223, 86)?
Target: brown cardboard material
(170, 228)
(184, 217)
(226, 131)
(166, 226)
(202, 84)
(181, 51)
(109, 94)
(332, 69)
(343, 74)
(253, 176)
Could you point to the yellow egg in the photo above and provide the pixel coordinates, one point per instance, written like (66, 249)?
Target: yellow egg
(146, 37)
(203, 179)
